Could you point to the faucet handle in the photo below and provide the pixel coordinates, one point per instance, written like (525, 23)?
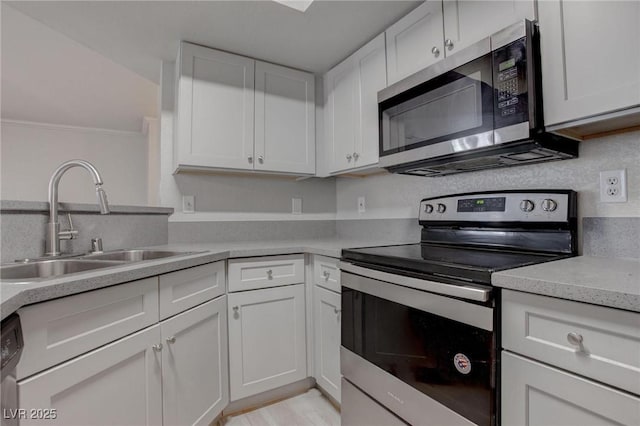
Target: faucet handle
(69, 234)
(96, 245)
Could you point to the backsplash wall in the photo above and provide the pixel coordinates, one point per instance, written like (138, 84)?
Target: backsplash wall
(397, 196)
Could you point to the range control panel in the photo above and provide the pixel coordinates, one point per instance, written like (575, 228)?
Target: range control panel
(499, 207)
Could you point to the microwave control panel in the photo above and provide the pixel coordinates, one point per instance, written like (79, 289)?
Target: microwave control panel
(510, 84)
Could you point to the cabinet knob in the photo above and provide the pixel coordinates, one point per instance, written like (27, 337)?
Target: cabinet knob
(448, 44)
(575, 339)
(349, 157)
(235, 309)
(336, 310)
(157, 347)
(435, 51)
(171, 339)
(270, 274)
(250, 159)
(355, 156)
(260, 159)
(326, 274)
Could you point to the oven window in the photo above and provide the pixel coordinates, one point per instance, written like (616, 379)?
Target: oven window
(449, 361)
(456, 104)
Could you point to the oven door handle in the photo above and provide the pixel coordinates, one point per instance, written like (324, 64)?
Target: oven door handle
(468, 292)
(454, 309)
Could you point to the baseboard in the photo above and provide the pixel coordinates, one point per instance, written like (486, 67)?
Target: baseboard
(269, 397)
(333, 402)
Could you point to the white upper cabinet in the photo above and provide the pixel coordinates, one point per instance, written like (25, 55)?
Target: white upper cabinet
(351, 112)
(215, 109)
(415, 41)
(285, 120)
(217, 96)
(370, 79)
(590, 58)
(468, 21)
(341, 115)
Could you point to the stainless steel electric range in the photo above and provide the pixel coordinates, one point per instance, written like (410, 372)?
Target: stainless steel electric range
(420, 328)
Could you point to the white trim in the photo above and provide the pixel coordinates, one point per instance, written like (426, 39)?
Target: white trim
(244, 216)
(63, 127)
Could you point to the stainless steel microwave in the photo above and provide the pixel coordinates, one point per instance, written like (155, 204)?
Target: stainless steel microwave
(479, 108)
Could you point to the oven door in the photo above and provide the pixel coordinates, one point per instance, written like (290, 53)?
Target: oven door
(449, 113)
(430, 359)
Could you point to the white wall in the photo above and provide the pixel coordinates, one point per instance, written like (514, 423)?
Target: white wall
(30, 152)
(396, 196)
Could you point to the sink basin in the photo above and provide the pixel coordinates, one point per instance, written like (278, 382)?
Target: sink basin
(136, 255)
(51, 268)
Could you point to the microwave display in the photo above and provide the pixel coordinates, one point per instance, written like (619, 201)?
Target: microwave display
(510, 81)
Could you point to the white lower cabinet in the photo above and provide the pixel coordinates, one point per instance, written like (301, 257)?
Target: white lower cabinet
(267, 339)
(117, 384)
(327, 307)
(194, 364)
(536, 394)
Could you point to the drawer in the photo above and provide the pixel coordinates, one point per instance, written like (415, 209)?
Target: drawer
(262, 272)
(548, 329)
(187, 288)
(326, 273)
(536, 394)
(61, 329)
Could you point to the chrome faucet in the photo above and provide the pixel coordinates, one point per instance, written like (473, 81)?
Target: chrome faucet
(54, 235)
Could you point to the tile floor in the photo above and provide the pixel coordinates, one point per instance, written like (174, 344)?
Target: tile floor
(308, 409)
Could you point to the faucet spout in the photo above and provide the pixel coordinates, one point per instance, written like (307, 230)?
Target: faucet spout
(53, 231)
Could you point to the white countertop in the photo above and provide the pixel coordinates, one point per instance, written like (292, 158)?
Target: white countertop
(596, 280)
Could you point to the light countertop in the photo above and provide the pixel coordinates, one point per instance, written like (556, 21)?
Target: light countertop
(596, 280)
(14, 295)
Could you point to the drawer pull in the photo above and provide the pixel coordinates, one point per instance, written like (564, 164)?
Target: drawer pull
(326, 274)
(270, 274)
(575, 339)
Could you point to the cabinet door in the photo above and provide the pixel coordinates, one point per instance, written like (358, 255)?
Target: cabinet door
(461, 18)
(415, 41)
(194, 364)
(341, 114)
(267, 346)
(118, 384)
(215, 109)
(285, 120)
(371, 68)
(326, 321)
(590, 57)
(538, 395)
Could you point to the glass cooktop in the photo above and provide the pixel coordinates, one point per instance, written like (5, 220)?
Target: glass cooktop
(462, 263)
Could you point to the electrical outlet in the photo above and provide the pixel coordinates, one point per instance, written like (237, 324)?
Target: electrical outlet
(296, 205)
(188, 204)
(613, 186)
(361, 205)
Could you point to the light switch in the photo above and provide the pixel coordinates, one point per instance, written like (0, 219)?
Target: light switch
(296, 205)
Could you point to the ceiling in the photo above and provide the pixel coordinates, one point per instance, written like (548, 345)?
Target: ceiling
(139, 34)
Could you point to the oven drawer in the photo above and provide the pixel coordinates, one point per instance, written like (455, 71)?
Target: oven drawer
(263, 272)
(594, 341)
(326, 273)
(358, 409)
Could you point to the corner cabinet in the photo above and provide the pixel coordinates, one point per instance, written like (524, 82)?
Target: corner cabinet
(351, 109)
(590, 59)
(236, 113)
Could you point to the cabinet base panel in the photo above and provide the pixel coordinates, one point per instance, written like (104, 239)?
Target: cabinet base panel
(269, 397)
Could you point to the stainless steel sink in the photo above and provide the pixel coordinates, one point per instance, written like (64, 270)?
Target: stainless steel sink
(51, 268)
(136, 255)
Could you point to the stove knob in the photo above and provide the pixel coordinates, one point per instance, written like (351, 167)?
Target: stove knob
(549, 205)
(428, 208)
(441, 208)
(526, 205)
